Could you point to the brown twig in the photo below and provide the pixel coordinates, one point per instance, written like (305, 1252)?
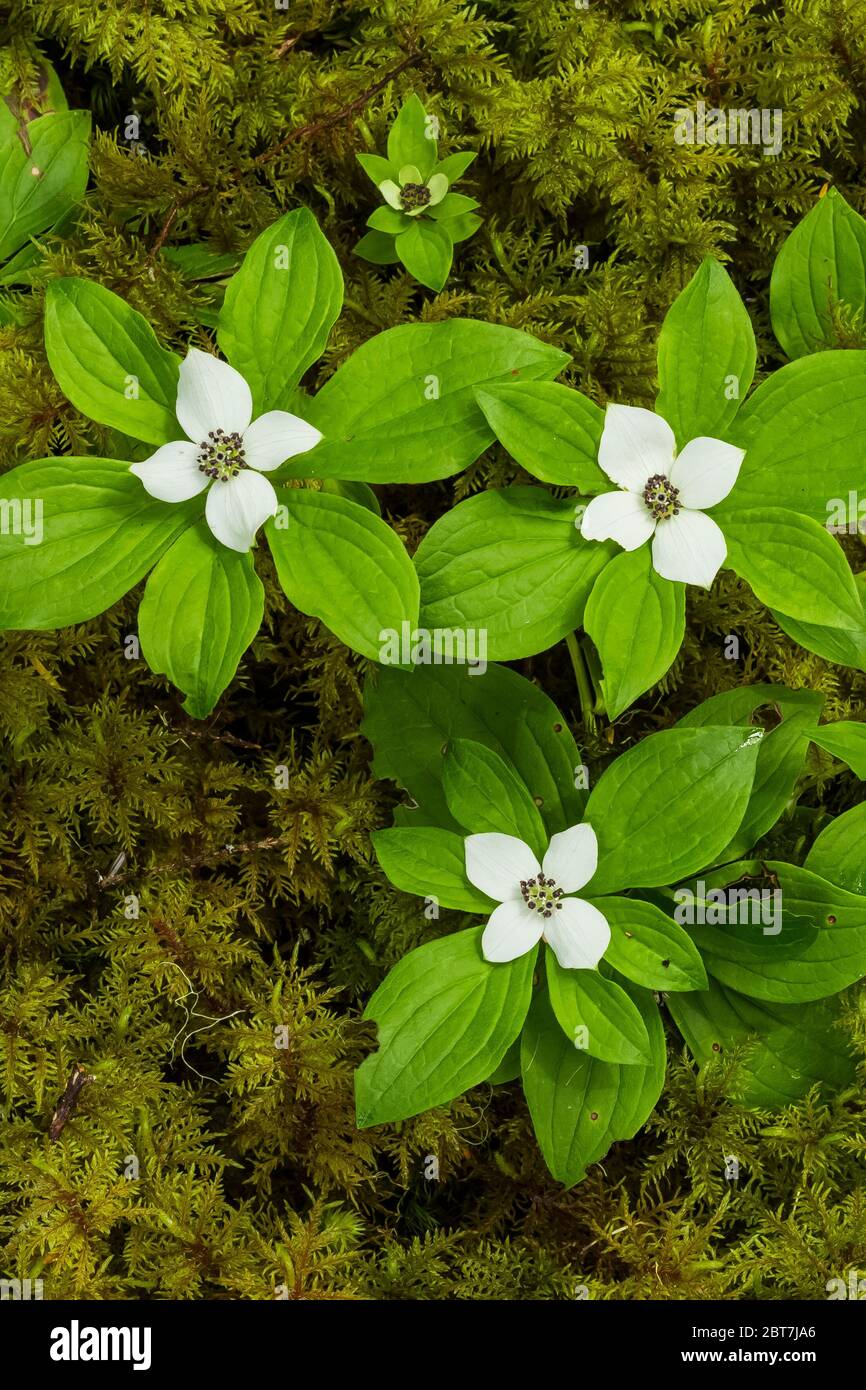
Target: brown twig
(224, 737)
(66, 1105)
(285, 47)
(184, 865)
(176, 207)
(315, 127)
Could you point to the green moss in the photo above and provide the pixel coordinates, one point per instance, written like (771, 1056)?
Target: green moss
(205, 1160)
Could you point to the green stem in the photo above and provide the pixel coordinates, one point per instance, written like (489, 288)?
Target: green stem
(581, 676)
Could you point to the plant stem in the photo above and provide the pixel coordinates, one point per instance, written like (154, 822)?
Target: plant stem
(584, 688)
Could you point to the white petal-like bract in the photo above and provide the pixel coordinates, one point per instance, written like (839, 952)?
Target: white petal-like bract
(211, 395)
(496, 863)
(705, 472)
(578, 935)
(391, 193)
(513, 929)
(636, 444)
(236, 510)
(275, 437)
(572, 857)
(438, 186)
(689, 547)
(172, 474)
(618, 516)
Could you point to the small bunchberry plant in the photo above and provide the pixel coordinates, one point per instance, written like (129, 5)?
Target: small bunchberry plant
(651, 880)
(422, 218)
(262, 460)
(714, 478)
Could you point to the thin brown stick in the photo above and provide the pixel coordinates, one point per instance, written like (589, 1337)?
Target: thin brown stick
(167, 225)
(224, 737)
(315, 127)
(185, 864)
(284, 48)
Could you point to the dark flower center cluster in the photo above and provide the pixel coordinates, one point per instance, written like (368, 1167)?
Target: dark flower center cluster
(414, 195)
(221, 456)
(662, 498)
(541, 894)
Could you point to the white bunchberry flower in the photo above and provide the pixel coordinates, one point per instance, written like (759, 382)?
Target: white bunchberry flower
(662, 494)
(532, 897)
(225, 450)
(412, 193)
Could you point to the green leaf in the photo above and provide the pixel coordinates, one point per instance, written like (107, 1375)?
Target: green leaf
(280, 308)
(426, 251)
(389, 220)
(454, 166)
(485, 794)
(509, 1067)
(552, 431)
(579, 1104)
(355, 492)
(844, 740)
(793, 564)
(462, 228)
(101, 533)
(17, 113)
(410, 717)
(446, 1019)
(781, 754)
(802, 430)
(379, 248)
(452, 205)
(820, 265)
(649, 948)
(512, 564)
(409, 141)
(108, 362)
(781, 760)
(641, 1086)
(738, 706)
(596, 1015)
(31, 203)
(706, 356)
(21, 269)
(431, 863)
(378, 169)
(201, 609)
(340, 562)
(820, 949)
(669, 805)
(788, 1048)
(198, 261)
(402, 409)
(844, 647)
(637, 621)
(837, 853)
